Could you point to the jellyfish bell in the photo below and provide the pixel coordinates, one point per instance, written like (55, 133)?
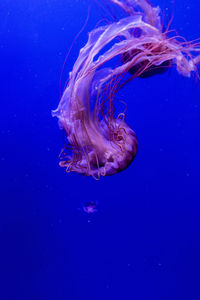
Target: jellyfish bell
(101, 143)
(90, 207)
(144, 69)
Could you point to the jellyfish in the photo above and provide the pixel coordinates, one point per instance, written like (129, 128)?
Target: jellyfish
(101, 143)
(90, 207)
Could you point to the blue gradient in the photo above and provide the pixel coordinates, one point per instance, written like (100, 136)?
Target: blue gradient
(143, 243)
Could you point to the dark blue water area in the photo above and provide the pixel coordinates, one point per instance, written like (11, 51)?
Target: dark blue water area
(143, 240)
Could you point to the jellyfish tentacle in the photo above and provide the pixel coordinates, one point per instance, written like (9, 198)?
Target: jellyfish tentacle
(101, 143)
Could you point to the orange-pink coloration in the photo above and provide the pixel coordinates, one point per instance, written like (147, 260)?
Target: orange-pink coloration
(101, 143)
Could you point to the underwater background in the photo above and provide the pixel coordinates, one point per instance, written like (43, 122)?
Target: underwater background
(143, 240)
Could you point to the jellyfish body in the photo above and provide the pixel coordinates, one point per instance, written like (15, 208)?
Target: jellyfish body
(100, 142)
(90, 207)
(148, 71)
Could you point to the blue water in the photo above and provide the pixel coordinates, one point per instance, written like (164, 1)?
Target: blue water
(143, 243)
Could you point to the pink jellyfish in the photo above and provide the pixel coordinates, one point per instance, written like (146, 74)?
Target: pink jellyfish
(90, 207)
(101, 143)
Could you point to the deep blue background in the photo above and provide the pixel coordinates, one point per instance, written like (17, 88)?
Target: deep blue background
(144, 241)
